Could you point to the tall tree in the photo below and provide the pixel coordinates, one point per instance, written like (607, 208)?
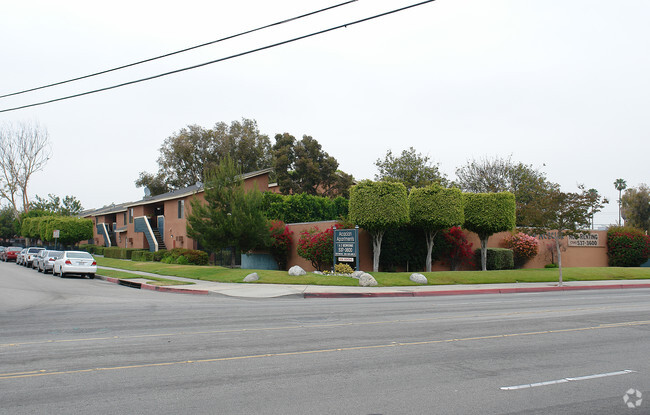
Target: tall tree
(303, 167)
(8, 223)
(487, 214)
(24, 150)
(69, 206)
(411, 168)
(434, 208)
(636, 207)
(504, 175)
(597, 203)
(376, 207)
(620, 185)
(562, 214)
(230, 216)
(188, 154)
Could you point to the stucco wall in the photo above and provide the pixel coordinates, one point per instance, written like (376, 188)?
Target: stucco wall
(571, 256)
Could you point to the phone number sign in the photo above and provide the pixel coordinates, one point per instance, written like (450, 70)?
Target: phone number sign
(590, 239)
(345, 242)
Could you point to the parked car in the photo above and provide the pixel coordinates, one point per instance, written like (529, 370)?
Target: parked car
(20, 256)
(10, 253)
(75, 262)
(45, 260)
(30, 255)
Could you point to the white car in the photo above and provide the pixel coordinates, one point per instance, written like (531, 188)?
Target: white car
(75, 262)
(30, 255)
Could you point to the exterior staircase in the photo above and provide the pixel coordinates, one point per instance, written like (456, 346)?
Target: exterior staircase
(159, 239)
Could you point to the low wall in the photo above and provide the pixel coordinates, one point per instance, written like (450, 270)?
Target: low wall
(572, 256)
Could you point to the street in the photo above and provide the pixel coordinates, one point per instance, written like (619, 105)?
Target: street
(79, 346)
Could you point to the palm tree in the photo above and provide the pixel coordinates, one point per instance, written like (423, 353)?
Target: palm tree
(620, 185)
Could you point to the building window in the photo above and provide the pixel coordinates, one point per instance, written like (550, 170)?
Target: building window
(130, 215)
(124, 218)
(181, 209)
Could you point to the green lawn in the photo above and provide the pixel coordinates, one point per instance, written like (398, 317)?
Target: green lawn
(220, 274)
(123, 275)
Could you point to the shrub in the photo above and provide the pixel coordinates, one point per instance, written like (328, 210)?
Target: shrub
(119, 253)
(551, 265)
(343, 269)
(182, 260)
(497, 258)
(404, 247)
(142, 256)
(457, 249)
(280, 243)
(524, 247)
(317, 247)
(159, 255)
(192, 256)
(627, 246)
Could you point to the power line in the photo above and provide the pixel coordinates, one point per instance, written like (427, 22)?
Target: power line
(221, 59)
(179, 51)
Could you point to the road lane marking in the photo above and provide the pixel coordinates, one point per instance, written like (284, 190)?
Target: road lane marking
(566, 380)
(309, 326)
(331, 350)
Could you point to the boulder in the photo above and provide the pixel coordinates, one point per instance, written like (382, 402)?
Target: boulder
(296, 271)
(251, 277)
(367, 280)
(318, 272)
(419, 278)
(357, 274)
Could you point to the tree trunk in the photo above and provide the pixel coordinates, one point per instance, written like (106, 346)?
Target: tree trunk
(376, 248)
(233, 257)
(559, 256)
(484, 241)
(430, 240)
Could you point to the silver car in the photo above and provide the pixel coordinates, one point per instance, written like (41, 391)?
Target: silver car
(20, 257)
(45, 260)
(75, 262)
(30, 255)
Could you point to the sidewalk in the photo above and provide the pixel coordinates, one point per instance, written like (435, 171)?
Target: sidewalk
(257, 290)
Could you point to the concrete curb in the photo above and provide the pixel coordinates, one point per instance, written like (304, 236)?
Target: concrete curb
(150, 287)
(472, 292)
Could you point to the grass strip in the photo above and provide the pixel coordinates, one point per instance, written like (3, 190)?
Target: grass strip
(123, 275)
(386, 279)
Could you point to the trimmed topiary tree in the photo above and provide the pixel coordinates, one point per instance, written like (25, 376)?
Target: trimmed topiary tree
(487, 214)
(434, 208)
(377, 206)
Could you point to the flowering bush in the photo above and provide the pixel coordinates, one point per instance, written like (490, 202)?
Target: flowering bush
(524, 247)
(280, 242)
(627, 246)
(459, 250)
(343, 269)
(317, 247)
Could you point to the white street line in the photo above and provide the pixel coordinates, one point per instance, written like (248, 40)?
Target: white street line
(566, 380)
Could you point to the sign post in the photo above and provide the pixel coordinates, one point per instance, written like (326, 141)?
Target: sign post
(346, 246)
(55, 234)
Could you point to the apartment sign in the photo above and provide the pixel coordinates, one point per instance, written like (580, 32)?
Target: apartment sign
(585, 239)
(346, 246)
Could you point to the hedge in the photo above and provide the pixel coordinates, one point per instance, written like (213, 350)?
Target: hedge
(142, 256)
(627, 246)
(302, 207)
(119, 253)
(497, 258)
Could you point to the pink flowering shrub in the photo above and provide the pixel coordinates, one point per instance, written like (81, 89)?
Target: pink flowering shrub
(317, 247)
(524, 247)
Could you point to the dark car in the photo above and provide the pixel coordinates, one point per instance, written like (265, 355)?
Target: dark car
(10, 253)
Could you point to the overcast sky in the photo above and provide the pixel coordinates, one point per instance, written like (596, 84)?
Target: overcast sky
(559, 84)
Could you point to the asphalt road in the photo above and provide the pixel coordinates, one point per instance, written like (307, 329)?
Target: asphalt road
(79, 346)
